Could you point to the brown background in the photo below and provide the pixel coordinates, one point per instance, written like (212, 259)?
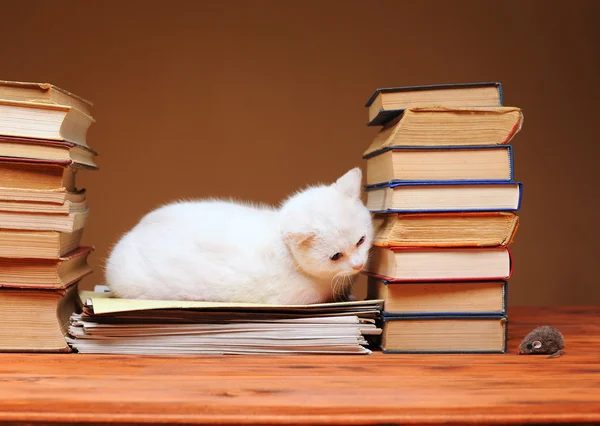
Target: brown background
(255, 99)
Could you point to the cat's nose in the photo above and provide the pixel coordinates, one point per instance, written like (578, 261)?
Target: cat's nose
(358, 267)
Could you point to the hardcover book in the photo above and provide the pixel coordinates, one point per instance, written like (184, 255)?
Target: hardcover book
(439, 298)
(444, 196)
(388, 103)
(44, 121)
(48, 151)
(18, 244)
(426, 164)
(437, 126)
(43, 221)
(475, 229)
(444, 334)
(45, 273)
(42, 93)
(396, 264)
(29, 174)
(35, 320)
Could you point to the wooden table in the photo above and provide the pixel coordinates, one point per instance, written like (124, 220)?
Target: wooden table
(377, 389)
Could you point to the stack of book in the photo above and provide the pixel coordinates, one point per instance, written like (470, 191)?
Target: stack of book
(42, 215)
(120, 326)
(440, 182)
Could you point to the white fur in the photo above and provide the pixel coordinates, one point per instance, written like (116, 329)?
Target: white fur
(230, 252)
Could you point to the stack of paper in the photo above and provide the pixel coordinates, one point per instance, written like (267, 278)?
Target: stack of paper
(120, 326)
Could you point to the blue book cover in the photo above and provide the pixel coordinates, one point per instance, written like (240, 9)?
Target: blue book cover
(458, 184)
(501, 312)
(500, 318)
(384, 116)
(508, 148)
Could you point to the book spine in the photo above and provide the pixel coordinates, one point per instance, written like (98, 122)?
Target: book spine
(500, 93)
(511, 163)
(393, 280)
(440, 183)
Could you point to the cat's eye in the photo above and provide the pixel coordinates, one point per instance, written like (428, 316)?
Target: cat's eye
(336, 256)
(362, 240)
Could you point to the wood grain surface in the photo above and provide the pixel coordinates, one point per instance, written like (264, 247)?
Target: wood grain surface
(377, 389)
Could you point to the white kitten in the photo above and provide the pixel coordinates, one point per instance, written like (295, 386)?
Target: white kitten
(307, 251)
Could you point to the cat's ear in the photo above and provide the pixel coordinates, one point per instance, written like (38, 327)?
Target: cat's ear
(350, 184)
(300, 239)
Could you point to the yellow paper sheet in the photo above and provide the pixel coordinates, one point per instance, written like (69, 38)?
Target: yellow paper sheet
(102, 304)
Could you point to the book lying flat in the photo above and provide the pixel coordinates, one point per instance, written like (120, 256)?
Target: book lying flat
(121, 326)
(44, 121)
(42, 93)
(43, 221)
(36, 175)
(439, 298)
(36, 320)
(68, 207)
(426, 164)
(388, 103)
(444, 196)
(58, 273)
(18, 244)
(50, 151)
(437, 126)
(444, 334)
(475, 229)
(439, 264)
(58, 196)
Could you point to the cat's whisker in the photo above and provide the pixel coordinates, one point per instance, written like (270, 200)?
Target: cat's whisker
(337, 286)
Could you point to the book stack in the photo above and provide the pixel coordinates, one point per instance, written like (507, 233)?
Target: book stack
(42, 215)
(120, 326)
(441, 185)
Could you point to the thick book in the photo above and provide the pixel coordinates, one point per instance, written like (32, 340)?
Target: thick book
(44, 121)
(444, 196)
(47, 151)
(426, 164)
(475, 229)
(444, 334)
(396, 264)
(36, 320)
(388, 103)
(66, 208)
(439, 298)
(121, 326)
(42, 93)
(18, 244)
(58, 196)
(36, 175)
(45, 273)
(437, 126)
(43, 221)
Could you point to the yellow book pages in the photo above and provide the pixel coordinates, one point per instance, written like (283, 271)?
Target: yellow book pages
(438, 126)
(42, 93)
(44, 121)
(477, 229)
(493, 163)
(445, 335)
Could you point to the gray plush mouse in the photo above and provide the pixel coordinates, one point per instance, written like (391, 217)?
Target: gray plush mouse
(543, 340)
